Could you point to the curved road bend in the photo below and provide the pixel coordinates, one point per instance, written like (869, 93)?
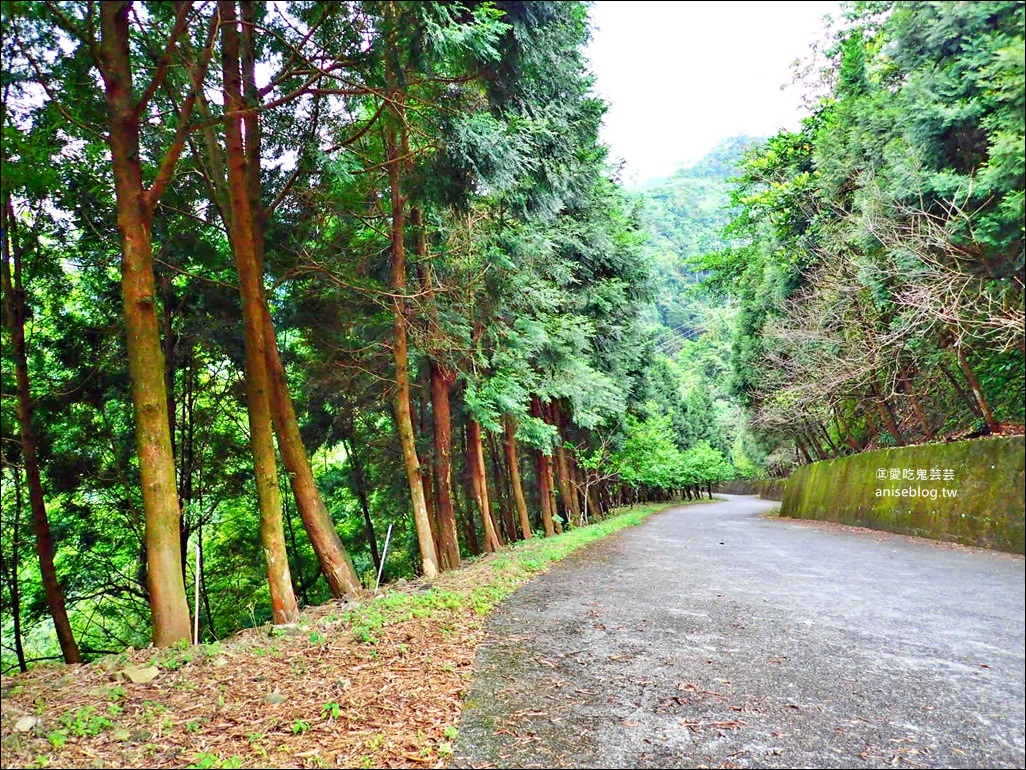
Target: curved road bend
(710, 636)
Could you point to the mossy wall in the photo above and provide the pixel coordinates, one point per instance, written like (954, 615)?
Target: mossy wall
(973, 492)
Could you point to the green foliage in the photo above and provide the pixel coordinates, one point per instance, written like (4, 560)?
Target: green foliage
(883, 238)
(528, 279)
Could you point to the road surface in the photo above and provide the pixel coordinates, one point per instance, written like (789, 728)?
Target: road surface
(713, 635)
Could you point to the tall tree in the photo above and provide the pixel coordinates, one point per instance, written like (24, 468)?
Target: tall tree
(258, 382)
(14, 304)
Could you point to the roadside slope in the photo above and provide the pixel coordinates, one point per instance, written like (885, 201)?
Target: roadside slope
(375, 683)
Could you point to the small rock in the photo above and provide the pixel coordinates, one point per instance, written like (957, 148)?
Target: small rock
(274, 698)
(138, 674)
(286, 629)
(26, 723)
(401, 582)
(219, 662)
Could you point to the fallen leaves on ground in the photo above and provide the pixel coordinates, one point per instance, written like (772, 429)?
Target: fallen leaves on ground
(312, 696)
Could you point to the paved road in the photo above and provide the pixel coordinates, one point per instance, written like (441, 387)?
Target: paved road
(712, 636)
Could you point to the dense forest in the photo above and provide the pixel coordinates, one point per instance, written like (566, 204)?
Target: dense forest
(876, 258)
(279, 278)
(283, 279)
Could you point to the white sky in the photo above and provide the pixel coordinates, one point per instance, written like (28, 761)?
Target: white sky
(681, 76)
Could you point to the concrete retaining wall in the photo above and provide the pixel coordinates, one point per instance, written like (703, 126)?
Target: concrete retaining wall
(974, 492)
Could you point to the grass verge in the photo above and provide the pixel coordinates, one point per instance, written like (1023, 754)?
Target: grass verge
(488, 580)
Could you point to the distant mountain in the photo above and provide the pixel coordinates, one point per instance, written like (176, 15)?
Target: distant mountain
(687, 213)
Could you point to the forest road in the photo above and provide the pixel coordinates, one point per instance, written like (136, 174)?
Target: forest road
(713, 636)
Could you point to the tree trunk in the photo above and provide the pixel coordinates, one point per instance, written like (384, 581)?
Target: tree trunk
(498, 478)
(969, 401)
(441, 395)
(549, 468)
(476, 466)
(802, 449)
(10, 573)
(544, 473)
(846, 431)
(429, 502)
(514, 477)
(168, 606)
(400, 308)
(302, 584)
(334, 561)
(466, 515)
(566, 492)
(284, 608)
(204, 591)
(829, 440)
(917, 408)
(592, 506)
(886, 415)
(14, 300)
(974, 385)
(543, 465)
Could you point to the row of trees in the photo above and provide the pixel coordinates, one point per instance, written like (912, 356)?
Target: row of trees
(877, 258)
(367, 251)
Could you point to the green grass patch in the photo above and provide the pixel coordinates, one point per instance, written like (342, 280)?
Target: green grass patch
(495, 576)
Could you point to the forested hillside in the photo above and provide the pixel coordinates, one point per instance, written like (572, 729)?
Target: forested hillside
(686, 216)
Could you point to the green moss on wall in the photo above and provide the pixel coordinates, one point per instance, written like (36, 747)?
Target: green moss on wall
(973, 492)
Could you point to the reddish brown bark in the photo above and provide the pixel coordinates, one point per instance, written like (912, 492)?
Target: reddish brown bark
(887, 417)
(14, 300)
(514, 477)
(544, 473)
(429, 501)
(284, 607)
(543, 469)
(334, 561)
(566, 494)
(397, 150)
(476, 467)
(466, 516)
(168, 607)
(502, 498)
(802, 449)
(441, 393)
